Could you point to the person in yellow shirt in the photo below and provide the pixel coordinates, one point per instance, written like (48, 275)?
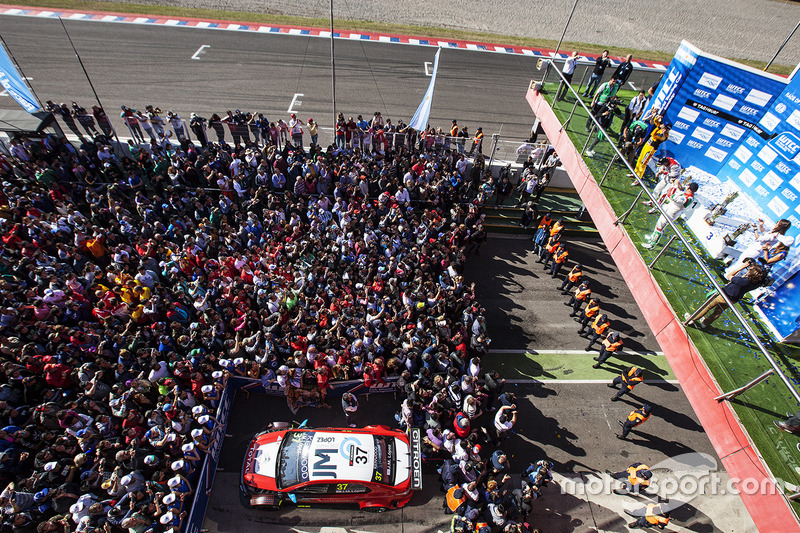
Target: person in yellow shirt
(659, 134)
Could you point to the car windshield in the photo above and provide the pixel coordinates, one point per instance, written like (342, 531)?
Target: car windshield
(384, 460)
(293, 458)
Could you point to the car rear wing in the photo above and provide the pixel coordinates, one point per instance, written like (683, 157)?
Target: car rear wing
(415, 439)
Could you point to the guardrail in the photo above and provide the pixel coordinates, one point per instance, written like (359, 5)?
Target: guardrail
(618, 157)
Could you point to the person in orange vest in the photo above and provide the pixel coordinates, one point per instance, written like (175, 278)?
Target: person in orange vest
(634, 480)
(454, 138)
(628, 380)
(636, 418)
(572, 278)
(550, 249)
(655, 515)
(599, 327)
(542, 234)
(611, 345)
(455, 501)
(588, 314)
(582, 294)
(477, 142)
(559, 258)
(557, 227)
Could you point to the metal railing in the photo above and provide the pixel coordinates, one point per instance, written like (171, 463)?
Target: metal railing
(618, 157)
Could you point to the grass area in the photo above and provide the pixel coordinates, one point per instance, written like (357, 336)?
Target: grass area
(556, 366)
(731, 357)
(366, 25)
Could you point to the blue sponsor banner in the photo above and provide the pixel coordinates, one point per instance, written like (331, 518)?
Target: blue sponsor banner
(715, 106)
(782, 308)
(766, 164)
(14, 84)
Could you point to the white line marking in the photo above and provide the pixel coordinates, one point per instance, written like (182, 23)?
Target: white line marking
(584, 381)
(295, 101)
(200, 51)
(605, 415)
(428, 66)
(633, 86)
(5, 93)
(567, 352)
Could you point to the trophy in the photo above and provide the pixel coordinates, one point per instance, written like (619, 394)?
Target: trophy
(717, 210)
(730, 238)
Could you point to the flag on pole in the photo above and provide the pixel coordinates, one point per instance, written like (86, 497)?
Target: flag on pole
(13, 83)
(420, 119)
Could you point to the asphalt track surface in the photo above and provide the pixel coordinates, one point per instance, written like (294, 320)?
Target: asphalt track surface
(733, 28)
(136, 65)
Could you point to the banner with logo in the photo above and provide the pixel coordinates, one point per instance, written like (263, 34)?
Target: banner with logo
(13, 83)
(712, 104)
(766, 164)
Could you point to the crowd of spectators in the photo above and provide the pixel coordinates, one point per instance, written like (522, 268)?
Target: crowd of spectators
(134, 285)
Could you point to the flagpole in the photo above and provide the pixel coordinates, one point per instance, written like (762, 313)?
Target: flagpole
(96, 97)
(333, 73)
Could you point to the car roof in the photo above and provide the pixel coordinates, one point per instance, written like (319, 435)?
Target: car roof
(335, 455)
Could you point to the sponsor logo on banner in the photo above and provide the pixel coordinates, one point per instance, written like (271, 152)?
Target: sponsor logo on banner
(769, 121)
(709, 80)
(780, 107)
(794, 119)
(747, 177)
(756, 97)
(747, 110)
(712, 123)
(702, 134)
(789, 195)
(735, 165)
(680, 125)
(772, 180)
(415, 440)
(687, 113)
(782, 167)
(670, 85)
(702, 94)
(724, 143)
(743, 154)
(778, 206)
(786, 144)
(762, 191)
(767, 155)
(795, 181)
(735, 89)
(732, 131)
(758, 167)
(716, 154)
(694, 144)
(725, 102)
(676, 137)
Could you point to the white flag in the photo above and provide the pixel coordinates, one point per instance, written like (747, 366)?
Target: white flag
(420, 119)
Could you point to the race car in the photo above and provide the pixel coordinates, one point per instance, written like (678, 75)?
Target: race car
(375, 467)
